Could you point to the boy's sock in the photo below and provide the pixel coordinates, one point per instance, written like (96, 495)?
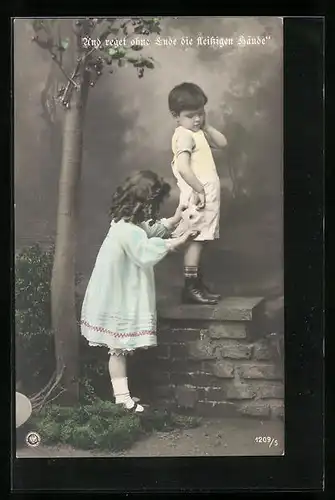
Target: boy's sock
(122, 395)
(191, 272)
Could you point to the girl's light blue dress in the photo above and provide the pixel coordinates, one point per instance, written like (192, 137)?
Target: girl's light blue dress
(119, 307)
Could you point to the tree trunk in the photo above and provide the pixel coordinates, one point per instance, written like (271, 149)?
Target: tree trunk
(63, 307)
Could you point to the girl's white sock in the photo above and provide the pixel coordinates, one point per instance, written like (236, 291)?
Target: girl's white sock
(122, 395)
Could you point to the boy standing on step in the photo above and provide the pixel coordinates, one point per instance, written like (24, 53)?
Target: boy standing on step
(197, 178)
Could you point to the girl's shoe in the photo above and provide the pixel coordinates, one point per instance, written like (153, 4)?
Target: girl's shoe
(137, 408)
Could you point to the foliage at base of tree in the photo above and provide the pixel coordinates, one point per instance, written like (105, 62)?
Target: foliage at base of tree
(35, 360)
(103, 425)
(34, 340)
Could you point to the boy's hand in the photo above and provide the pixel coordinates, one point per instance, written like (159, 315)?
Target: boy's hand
(199, 199)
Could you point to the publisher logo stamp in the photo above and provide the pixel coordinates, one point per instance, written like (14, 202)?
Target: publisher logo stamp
(33, 439)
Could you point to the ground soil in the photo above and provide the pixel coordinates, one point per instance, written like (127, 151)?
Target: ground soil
(215, 437)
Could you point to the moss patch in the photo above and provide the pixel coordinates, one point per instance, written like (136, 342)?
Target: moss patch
(103, 425)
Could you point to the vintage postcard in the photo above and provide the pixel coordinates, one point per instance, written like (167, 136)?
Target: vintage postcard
(149, 298)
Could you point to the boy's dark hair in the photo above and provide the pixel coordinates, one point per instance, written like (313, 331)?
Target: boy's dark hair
(186, 97)
(139, 198)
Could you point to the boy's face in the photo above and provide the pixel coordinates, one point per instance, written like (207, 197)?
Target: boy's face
(192, 120)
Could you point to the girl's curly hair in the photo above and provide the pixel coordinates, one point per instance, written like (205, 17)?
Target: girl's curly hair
(139, 198)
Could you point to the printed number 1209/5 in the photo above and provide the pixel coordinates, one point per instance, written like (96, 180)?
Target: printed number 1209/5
(270, 441)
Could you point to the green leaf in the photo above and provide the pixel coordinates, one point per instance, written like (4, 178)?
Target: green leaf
(116, 53)
(152, 25)
(37, 24)
(132, 60)
(156, 29)
(137, 47)
(138, 29)
(148, 64)
(139, 63)
(143, 63)
(65, 43)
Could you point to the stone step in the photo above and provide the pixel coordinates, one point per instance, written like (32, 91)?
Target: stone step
(228, 309)
(215, 360)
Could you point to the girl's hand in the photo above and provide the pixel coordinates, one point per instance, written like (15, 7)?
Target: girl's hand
(179, 211)
(191, 234)
(176, 218)
(175, 244)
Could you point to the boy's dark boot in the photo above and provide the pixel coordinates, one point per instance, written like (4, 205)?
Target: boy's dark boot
(192, 294)
(205, 289)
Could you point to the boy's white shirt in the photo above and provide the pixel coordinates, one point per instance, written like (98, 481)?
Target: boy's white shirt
(202, 161)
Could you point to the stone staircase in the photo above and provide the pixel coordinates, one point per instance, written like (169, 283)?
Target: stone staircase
(216, 360)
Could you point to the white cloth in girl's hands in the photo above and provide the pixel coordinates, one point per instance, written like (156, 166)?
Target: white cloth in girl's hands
(191, 216)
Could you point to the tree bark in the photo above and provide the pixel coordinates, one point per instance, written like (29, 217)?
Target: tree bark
(63, 307)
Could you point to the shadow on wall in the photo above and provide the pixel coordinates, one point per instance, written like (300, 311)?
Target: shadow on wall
(247, 260)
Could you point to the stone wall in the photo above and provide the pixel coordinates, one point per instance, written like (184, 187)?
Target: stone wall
(216, 361)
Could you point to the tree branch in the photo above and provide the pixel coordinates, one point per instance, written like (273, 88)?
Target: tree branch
(46, 45)
(36, 396)
(69, 78)
(69, 87)
(44, 98)
(41, 398)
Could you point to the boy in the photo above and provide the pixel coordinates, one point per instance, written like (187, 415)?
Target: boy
(194, 168)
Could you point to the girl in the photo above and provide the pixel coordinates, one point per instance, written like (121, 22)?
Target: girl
(197, 178)
(119, 308)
